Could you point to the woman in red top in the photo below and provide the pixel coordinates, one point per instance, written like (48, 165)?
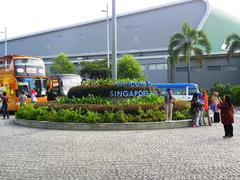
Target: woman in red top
(4, 99)
(227, 118)
(206, 107)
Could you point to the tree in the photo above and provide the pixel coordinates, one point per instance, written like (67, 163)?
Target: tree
(183, 45)
(129, 68)
(62, 65)
(233, 45)
(95, 70)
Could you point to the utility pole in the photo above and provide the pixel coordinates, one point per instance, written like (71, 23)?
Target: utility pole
(5, 40)
(114, 42)
(107, 31)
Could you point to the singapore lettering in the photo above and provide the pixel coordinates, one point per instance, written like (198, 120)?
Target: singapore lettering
(132, 93)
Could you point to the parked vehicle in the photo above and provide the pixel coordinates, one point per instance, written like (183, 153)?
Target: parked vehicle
(181, 91)
(60, 84)
(22, 73)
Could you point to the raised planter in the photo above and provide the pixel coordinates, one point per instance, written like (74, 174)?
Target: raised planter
(104, 126)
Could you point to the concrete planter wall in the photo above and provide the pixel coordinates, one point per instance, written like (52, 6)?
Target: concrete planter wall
(104, 126)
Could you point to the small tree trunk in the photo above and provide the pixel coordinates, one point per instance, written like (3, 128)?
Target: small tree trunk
(189, 67)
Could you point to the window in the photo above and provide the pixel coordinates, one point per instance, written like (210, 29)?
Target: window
(152, 67)
(196, 68)
(214, 68)
(5, 63)
(8, 63)
(181, 69)
(192, 90)
(2, 64)
(143, 67)
(179, 90)
(230, 68)
(161, 66)
(158, 66)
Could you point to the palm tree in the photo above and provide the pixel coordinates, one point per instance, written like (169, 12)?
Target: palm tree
(233, 44)
(187, 43)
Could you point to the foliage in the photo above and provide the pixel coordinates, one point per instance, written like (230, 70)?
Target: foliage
(128, 67)
(235, 94)
(222, 89)
(233, 44)
(68, 110)
(181, 110)
(138, 100)
(105, 90)
(129, 109)
(108, 81)
(190, 41)
(95, 70)
(85, 100)
(99, 82)
(29, 112)
(227, 89)
(62, 65)
(148, 99)
(78, 116)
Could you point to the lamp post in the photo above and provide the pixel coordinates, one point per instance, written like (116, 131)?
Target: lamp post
(107, 30)
(114, 42)
(5, 41)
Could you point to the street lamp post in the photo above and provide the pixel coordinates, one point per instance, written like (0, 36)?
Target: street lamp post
(107, 30)
(114, 42)
(5, 41)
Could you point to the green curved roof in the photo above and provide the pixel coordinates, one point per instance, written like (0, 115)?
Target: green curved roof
(218, 26)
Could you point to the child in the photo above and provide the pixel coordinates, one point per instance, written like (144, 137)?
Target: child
(33, 96)
(227, 118)
(22, 98)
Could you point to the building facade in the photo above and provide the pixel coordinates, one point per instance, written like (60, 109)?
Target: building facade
(145, 34)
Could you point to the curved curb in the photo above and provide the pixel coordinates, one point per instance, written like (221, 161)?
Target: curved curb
(104, 126)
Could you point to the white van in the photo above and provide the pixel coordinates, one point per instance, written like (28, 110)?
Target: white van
(181, 91)
(65, 82)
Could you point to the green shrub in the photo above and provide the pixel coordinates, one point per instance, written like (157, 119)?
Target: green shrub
(99, 82)
(23, 112)
(222, 89)
(148, 99)
(105, 90)
(235, 94)
(85, 100)
(135, 111)
(177, 115)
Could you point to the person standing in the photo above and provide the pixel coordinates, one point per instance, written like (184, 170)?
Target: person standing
(4, 99)
(194, 110)
(22, 98)
(216, 101)
(227, 119)
(168, 98)
(206, 108)
(33, 96)
(201, 109)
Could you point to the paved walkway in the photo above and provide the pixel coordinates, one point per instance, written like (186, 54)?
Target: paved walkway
(188, 153)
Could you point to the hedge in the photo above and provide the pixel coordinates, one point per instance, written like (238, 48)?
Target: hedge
(104, 90)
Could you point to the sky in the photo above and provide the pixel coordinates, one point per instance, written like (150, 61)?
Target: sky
(22, 17)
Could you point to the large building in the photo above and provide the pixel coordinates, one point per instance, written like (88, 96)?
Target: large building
(145, 34)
